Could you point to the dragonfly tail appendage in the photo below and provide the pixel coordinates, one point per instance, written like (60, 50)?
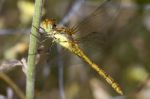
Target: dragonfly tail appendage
(101, 72)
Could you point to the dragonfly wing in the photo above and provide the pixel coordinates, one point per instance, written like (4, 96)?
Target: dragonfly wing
(96, 27)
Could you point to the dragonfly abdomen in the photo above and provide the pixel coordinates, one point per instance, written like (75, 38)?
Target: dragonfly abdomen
(76, 50)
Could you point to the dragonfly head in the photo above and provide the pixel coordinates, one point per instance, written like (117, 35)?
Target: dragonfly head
(48, 25)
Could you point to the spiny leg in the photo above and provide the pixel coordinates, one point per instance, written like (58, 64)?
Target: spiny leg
(40, 42)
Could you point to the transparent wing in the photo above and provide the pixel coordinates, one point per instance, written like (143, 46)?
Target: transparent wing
(98, 21)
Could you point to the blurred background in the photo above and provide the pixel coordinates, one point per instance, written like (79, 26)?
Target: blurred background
(116, 37)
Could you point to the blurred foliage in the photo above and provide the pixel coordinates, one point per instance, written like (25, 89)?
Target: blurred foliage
(122, 48)
(141, 2)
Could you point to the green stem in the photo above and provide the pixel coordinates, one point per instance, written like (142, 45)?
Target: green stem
(33, 50)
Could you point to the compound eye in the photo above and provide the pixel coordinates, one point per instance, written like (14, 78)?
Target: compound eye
(54, 26)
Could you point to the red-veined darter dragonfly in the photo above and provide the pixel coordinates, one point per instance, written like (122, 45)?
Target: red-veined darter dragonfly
(63, 36)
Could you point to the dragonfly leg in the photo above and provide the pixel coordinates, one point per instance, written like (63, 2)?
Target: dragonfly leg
(39, 42)
(44, 40)
(50, 46)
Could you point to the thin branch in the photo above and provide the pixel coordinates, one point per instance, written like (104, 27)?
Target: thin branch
(9, 65)
(6, 32)
(13, 85)
(33, 50)
(72, 12)
(60, 64)
(65, 20)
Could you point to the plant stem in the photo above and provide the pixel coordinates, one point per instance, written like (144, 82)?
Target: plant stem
(33, 50)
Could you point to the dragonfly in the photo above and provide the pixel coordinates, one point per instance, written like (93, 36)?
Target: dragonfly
(64, 37)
